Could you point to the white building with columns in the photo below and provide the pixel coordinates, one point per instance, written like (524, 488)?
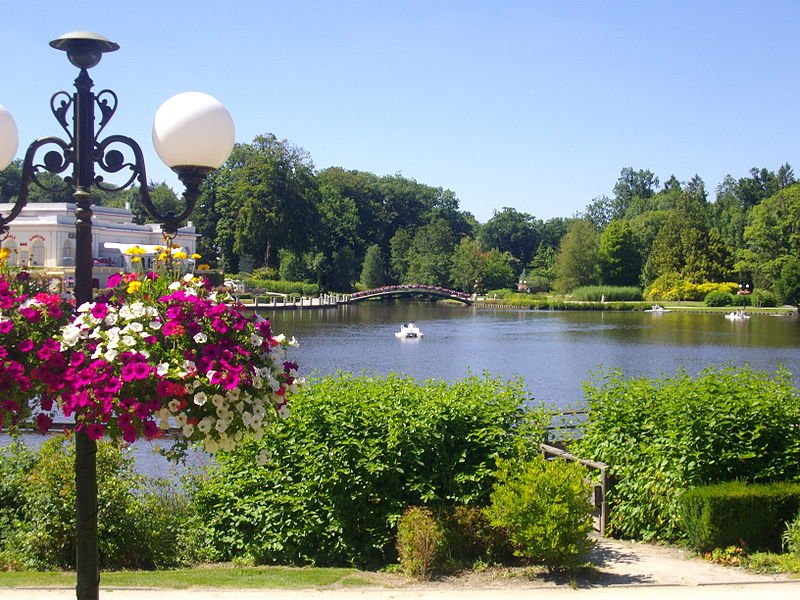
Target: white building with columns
(42, 237)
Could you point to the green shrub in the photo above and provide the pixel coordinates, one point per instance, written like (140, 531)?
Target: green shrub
(420, 543)
(543, 506)
(718, 299)
(763, 298)
(46, 536)
(735, 513)
(791, 536)
(663, 436)
(290, 288)
(470, 539)
(672, 287)
(355, 453)
(607, 293)
(137, 527)
(16, 462)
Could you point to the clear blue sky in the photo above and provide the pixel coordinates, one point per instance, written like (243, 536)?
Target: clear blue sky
(529, 104)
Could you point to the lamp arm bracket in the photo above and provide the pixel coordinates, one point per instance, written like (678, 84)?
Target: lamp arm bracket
(113, 161)
(54, 162)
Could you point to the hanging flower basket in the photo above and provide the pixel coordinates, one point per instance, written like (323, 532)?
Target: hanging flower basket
(154, 354)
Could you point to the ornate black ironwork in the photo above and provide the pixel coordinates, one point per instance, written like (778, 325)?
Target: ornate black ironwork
(108, 154)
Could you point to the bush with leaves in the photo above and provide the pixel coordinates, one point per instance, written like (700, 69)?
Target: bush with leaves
(543, 506)
(662, 436)
(791, 536)
(139, 526)
(16, 461)
(719, 299)
(420, 543)
(328, 486)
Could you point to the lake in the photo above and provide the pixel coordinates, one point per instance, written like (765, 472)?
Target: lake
(553, 352)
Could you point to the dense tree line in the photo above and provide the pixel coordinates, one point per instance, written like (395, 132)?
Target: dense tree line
(672, 234)
(269, 211)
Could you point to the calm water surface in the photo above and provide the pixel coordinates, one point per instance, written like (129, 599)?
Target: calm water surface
(553, 352)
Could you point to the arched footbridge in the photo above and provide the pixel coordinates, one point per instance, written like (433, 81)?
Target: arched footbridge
(395, 291)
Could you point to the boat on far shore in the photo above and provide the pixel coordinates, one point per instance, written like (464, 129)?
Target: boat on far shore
(408, 330)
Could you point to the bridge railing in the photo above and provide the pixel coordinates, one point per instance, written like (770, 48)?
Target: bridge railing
(410, 289)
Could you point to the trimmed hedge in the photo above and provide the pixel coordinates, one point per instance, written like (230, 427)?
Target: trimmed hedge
(297, 288)
(607, 293)
(738, 514)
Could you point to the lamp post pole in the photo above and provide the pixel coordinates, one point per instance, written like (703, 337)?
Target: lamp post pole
(193, 134)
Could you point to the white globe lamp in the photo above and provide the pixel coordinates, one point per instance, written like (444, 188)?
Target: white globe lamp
(9, 138)
(193, 129)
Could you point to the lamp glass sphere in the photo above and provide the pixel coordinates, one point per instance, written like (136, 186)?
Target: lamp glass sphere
(193, 129)
(9, 138)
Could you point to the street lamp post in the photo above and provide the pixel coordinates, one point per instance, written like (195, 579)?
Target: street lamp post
(744, 290)
(192, 133)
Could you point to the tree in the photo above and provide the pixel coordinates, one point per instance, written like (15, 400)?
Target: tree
(400, 245)
(467, 265)
(630, 185)
(599, 212)
(373, 270)
(10, 179)
(686, 244)
(261, 200)
(788, 285)
(161, 195)
(696, 188)
(541, 272)
(620, 261)
(511, 231)
(772, 237)
(337, 236)
(473, 267)
(577, 260)
(430, 255)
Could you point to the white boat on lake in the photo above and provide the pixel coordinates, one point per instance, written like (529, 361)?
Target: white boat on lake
(738, 315)
(408, 330)
(657, 308)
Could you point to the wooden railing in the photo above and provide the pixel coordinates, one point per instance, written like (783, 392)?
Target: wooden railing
(599, 485)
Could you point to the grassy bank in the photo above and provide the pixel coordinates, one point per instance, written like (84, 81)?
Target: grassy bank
(522, 301)
(226, 576)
